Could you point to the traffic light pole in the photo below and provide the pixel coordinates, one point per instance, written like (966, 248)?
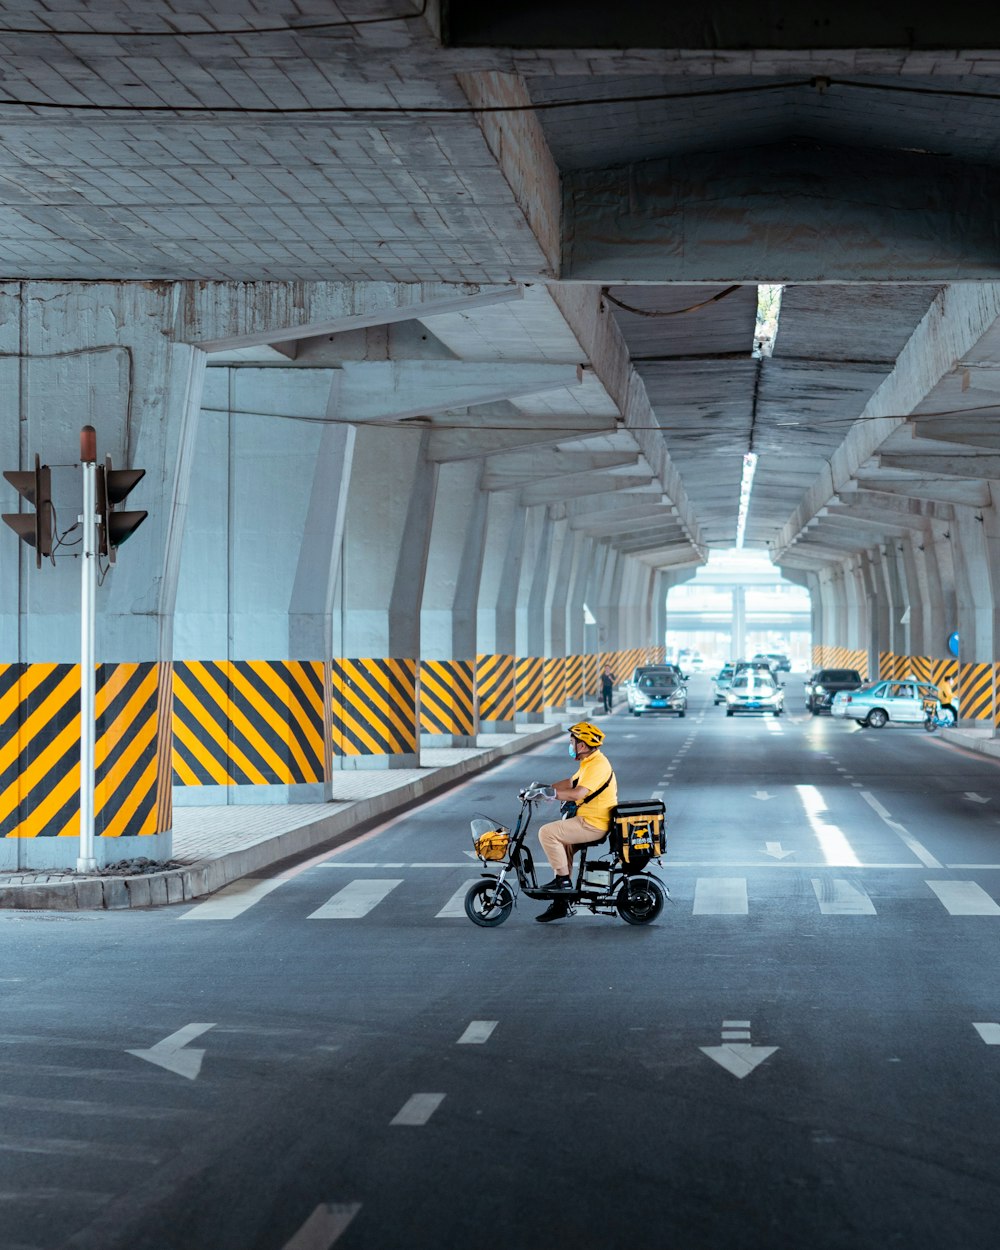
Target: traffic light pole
(88, 662)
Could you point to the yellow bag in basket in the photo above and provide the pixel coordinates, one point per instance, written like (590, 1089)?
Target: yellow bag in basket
(493, 845)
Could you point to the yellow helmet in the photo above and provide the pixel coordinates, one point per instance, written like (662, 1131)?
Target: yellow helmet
(587, 733)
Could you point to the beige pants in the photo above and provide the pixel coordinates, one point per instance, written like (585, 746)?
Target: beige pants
(559, 837)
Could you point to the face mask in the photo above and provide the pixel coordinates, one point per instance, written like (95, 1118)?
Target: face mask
(572, 750)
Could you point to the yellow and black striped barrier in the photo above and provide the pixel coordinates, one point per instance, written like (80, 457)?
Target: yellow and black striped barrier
(555, 682)
(375, 707)
(248, 722)
(495, 687)
(941, 670)
(574, 678)
(40, 750)
(975, 691)
(529, 680)
(447, 697)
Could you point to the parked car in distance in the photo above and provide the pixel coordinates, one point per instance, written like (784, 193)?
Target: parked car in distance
(823, 683)
(754, 690)
(658, 691)
(877, 704)
(689, 658)
(721, 682)
(754, 666)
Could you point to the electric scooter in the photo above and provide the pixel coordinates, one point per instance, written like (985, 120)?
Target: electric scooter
(606, 883)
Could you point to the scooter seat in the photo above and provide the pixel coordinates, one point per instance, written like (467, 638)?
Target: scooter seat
(596, 841)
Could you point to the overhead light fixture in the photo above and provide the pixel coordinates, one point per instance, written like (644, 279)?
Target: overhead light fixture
(746, 485)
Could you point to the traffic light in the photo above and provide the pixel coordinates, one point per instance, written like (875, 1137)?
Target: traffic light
(113, 487)
(36, 528)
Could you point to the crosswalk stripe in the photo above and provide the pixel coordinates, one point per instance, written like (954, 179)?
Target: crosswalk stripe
(964, 898)
(721, 896)
(840, 898)
(418, 1109)
(232, 900)
(455, 906)
(355, 900)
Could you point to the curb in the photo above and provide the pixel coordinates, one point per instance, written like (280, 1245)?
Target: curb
(977, 742)
(181, 885)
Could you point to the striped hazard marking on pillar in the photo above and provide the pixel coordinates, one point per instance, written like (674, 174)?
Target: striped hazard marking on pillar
(374, 707)
(975, 691)
(40, 750)
(529, 684)
(591, 676)
(555, 682)
(495, 687)
(447, 698)
(247, 722)
(574, 678)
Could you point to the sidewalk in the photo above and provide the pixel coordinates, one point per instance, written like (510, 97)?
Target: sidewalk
(216, 845)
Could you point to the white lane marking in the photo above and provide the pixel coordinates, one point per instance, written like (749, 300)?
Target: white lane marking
(976, 798)
(170, 1053)
(774, 849)
(355, 900)
(418, 1109)
(774, 727)
(232, 900)
(964, 898)
(990, 1033)
(455, 906)
(657, 796)
(763, 795)
(918, 848)
(354, 864)
(324, 1226)
(840, 898)
(720, 896)
(833, 841)
(994, 866)
(478, 1032)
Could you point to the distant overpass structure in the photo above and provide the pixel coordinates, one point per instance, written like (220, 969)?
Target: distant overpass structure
(736, 604)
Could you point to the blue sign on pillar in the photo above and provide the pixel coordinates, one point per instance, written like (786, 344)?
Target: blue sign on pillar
(953, 643)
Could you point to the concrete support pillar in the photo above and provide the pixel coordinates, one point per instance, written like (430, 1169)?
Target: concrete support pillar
(856, 604)
(977, 576)
(738, 645)
(581, 636)
(449, 613)
(536, 615)
(506, 525)
(103, 354)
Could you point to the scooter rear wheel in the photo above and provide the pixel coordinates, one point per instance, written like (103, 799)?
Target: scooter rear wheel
(640, 900)
(489, 903)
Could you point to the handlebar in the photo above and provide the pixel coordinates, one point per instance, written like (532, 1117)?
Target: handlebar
(535, 792)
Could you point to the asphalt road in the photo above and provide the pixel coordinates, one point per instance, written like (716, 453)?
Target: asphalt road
(803, 1051)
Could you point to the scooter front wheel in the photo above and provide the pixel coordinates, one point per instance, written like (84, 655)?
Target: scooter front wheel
(930, 724)
(489, 903)
(640, 900)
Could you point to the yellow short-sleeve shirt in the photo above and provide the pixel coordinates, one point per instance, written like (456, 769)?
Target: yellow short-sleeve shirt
(593, 772)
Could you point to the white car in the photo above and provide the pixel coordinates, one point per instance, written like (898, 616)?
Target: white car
(754, 690)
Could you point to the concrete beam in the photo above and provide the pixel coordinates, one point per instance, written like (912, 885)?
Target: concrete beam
(579, 484)
(896, 521)
(972, 494)
(512, 471)
(699, 217)
(219, 316)
(882, 502)
(377, 391)
(652, 519)
(454, 437)
(979, 430)
(973, 466)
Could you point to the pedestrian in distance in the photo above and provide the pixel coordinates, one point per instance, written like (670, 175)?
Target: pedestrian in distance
(607, 687)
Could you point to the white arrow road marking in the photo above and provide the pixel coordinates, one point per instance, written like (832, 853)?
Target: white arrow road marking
(763, 795)
(170, 1053)
(324, 1226)
(478, 1032)
(774, 849)
(418, 1109)
(976, 798)
(736, 1055)
(990, 1033)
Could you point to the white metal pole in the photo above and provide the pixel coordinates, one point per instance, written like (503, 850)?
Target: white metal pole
(88, 624)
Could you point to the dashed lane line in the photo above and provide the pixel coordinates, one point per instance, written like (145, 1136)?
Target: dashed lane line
(918, 848)
(418, 1109)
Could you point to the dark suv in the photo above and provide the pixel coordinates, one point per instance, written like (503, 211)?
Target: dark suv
(823, 683)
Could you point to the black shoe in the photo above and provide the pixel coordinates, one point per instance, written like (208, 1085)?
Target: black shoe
(558, 885)
(556, 910)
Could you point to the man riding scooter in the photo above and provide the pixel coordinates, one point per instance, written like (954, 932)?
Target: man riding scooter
(587, 801)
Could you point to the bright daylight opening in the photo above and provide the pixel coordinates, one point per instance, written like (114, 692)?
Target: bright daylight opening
(764, 334)
(832, 840)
